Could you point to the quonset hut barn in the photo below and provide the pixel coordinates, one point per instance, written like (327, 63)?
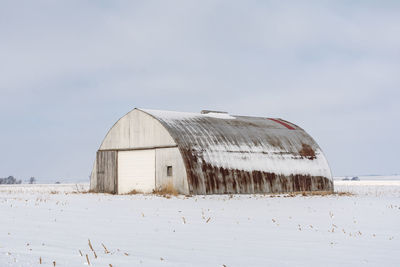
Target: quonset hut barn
(208, 153)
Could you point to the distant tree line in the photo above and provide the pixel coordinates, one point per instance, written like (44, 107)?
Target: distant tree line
(10, 180)
(13, 180)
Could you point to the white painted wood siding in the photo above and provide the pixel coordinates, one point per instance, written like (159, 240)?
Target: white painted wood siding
(136, 171)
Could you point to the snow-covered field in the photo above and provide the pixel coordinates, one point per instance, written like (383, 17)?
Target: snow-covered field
(51, 223)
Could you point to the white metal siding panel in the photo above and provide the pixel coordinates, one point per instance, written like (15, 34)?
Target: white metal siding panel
(136, 171)
(171, 157)
(137, 130)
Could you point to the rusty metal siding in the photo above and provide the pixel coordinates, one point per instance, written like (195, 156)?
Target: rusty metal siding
(106, 170)
(241, 154)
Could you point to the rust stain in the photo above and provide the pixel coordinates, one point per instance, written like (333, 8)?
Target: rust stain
(307, 152)
(204, 178)
(199, 135)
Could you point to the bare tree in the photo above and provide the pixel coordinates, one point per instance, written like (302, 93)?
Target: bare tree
(32, 180)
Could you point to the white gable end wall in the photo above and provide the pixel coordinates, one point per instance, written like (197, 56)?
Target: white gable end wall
(136, 130)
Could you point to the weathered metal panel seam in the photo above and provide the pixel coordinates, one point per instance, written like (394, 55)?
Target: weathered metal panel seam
(138, 148)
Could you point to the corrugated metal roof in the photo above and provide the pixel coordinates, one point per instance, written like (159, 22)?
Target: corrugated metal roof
(240, 154)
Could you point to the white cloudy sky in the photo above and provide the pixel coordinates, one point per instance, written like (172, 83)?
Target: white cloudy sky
(70, 69)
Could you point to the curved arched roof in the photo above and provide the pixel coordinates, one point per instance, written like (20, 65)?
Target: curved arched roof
(227, 153)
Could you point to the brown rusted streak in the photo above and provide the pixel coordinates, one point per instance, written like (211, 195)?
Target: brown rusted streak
(197, 136)
(192, 178)
(307, 152)
(219, 180)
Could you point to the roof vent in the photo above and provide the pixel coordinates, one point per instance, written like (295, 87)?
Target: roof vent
(213, 111)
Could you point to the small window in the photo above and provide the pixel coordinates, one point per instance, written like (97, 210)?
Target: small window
(169, 170)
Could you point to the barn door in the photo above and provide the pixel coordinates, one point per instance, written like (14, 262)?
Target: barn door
(136, 171)
(106, 164)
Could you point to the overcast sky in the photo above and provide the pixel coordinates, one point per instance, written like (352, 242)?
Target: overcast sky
(70, 69)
